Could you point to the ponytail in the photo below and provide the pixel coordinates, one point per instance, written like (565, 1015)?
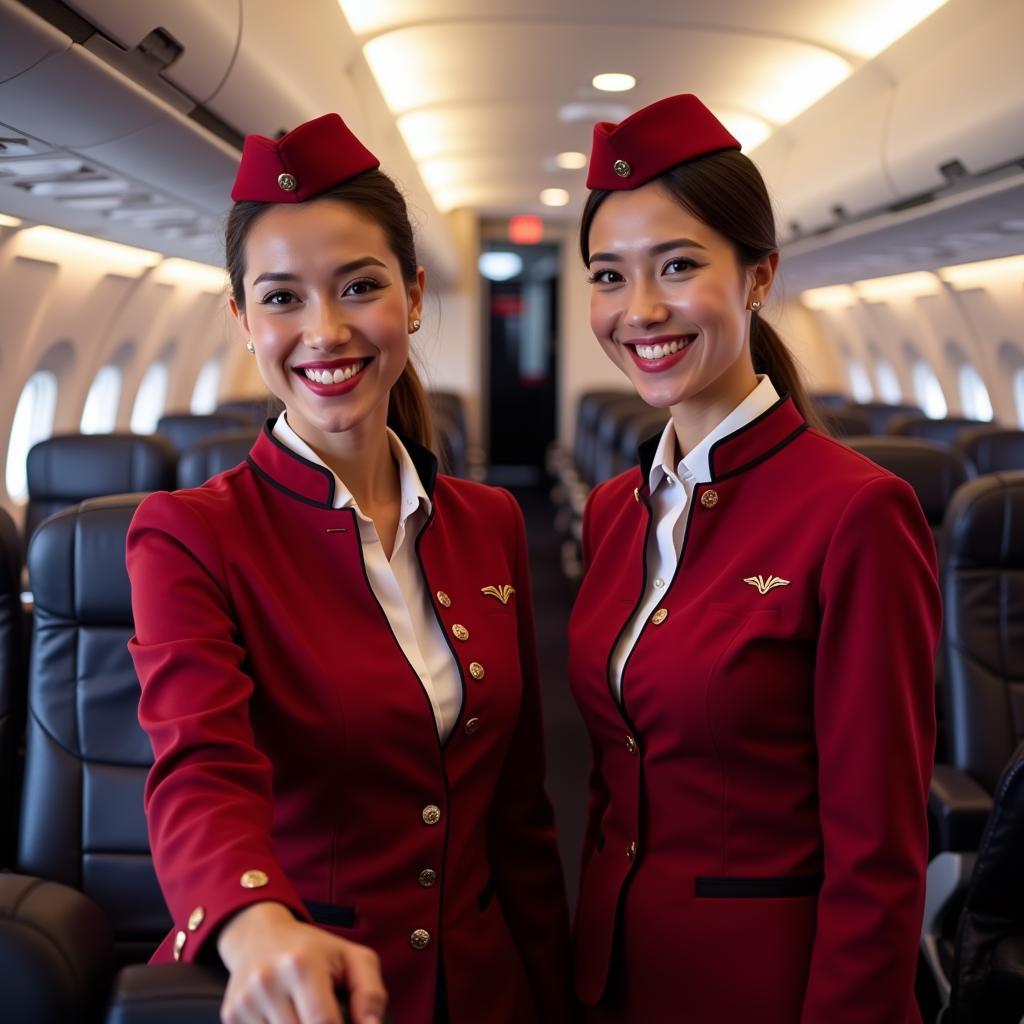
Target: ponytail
(409, 410)
(771, 356)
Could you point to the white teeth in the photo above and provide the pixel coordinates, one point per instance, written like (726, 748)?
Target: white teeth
(339, 376)
(335, 376)
(660, 351)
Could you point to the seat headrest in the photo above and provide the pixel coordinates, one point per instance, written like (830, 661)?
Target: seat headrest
(76, 562)
(215, 454)
(984, 523)
(993, 450)
(72, 467)
(184, 429)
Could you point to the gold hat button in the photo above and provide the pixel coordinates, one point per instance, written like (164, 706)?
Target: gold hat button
(460, 631)
(427, 878)
(659, 616)
(287, 182)
(431, 814)
(443, 599)
(196, 918)
(179, 944)
(476, 670)
(254, 879)
(419, 939)
(472, 725)
(622, 168)
(709, 499)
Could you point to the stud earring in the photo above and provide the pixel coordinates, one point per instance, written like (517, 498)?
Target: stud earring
(755, 305)
(414, 326)
(250, 347)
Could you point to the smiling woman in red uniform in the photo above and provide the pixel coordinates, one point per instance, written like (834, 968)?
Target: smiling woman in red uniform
(752, 645)
(337, 656)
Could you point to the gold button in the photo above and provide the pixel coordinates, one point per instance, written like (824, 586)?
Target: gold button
(254, 879)
(631, 850)
(476, 670)
(287, 182)
(431, 814)
(622, 168)
(196, 918)
(427, 878)
(472, 725)
(636, 493)
(460, 631)
(659, 616)
(631, 745)
(709, 499)
(179, 944)
(419, 939)
(444, 599)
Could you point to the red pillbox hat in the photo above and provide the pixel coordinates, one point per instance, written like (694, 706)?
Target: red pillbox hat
(301, 165)
(668, 132)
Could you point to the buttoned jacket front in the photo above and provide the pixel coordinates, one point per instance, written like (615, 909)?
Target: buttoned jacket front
(297, 757)
(757, 836)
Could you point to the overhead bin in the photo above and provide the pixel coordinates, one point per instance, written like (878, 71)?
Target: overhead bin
(25, 40)
(960, 103)
(207, 32)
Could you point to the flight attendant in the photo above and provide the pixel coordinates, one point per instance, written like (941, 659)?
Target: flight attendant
(336, 651)
(752, 645)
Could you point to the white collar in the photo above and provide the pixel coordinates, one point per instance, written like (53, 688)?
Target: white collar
(696, 462)
(413, 494)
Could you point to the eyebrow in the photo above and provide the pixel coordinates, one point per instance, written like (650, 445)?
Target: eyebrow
(655, 250)
(345, 268)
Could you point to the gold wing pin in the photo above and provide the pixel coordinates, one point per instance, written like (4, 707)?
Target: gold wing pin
(502, 593)
(764, 585)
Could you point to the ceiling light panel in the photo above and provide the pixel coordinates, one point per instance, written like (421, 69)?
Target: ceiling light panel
(613, 81)
(55, 245)
(881, 289)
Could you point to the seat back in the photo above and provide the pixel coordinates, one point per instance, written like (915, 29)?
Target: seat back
(255, 411)
(846, 422)
(880, 414)
(945, 430)
(992, 449)
(214, 454)
(69, 468)
(591, 406)
(988, 969)
(184, 429)
(608, 435)
(934, 470)
(982, 576)
(86, 757)
(12, 682)
(638, 428)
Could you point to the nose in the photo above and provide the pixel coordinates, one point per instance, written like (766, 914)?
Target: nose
(644, 306)
(326, 328)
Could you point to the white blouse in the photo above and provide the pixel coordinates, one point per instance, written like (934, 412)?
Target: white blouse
(399, 584)
(670, 495)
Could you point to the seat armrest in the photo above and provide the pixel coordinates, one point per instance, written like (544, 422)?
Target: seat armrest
(959, 808)
(56, 952)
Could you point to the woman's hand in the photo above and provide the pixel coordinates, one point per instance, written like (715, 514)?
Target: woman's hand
(284, 972)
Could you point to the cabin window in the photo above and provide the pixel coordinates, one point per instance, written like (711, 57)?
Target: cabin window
(100, 413)
(33, 422)
(1018, 394)
(204, 394)
(974, 397)
(150, 400)
(889, 389)
(928, 390)
(860, 382)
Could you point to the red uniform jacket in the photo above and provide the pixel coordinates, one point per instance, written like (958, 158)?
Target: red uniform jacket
(757, 838)
(296, 753)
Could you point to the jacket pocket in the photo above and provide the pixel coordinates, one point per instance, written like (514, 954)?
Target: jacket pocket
(331, 914)
(790, 887)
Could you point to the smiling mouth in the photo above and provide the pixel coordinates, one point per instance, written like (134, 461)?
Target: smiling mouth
(338, 375)
(662, 349)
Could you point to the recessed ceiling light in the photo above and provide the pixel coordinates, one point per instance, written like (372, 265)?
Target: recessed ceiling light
(571, 161)
(500, 266)
(7, 221)
(554, 197)
(613, 81)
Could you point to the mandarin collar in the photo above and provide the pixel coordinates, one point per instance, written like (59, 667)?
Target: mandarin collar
(743, 448)
(290, 472)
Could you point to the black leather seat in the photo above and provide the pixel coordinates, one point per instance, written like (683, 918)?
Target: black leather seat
(824, 400)
(637, 429)
(993, 449)
(612, 421)
(256, 411)
(934, 470)
(591, 409)
(846, 422)
(184, 429)
(881, 413)
(12, 682)
(214, 454)
(945, 430)
(69, 468)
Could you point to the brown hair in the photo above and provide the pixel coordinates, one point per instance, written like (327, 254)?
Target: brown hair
(375, 194)
(725, 190)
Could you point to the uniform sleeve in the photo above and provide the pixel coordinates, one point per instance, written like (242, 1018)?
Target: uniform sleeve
(208, 794)
(522, 846)
(874, 699)
(597, 790)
